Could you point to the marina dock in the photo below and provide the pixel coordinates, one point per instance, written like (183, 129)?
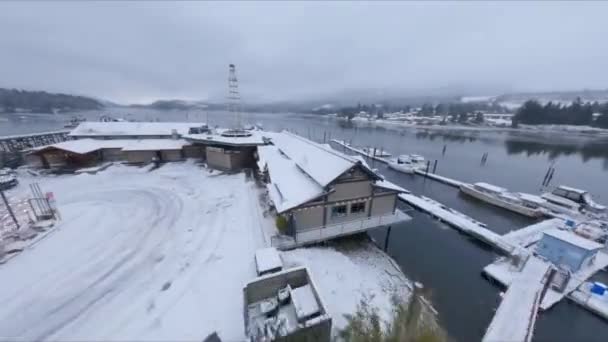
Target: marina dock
(531, 234)
(516, 316)
(459, 221)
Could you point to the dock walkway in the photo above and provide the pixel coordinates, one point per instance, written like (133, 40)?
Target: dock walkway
(515, 317)
(533, 233)
(577, 279)
(459, 221)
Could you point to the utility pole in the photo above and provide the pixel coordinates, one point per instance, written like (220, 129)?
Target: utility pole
(8, 207)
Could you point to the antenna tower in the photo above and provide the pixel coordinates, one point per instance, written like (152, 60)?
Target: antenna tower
(234, 98)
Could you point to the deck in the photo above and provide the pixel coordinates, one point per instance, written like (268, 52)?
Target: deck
(577, 279)
(515, 317)
(315, 235)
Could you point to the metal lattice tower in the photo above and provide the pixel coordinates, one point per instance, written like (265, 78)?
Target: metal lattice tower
(234, 98)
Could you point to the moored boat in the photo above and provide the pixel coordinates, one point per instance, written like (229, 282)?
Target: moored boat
(501, 197)
(571, 199)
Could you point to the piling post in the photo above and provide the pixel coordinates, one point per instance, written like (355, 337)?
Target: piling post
(8, 207)
(444, 148)
(428, 166)
(435, 166)
(386, 239)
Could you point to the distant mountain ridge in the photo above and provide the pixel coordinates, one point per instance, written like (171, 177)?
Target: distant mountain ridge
(24, 101)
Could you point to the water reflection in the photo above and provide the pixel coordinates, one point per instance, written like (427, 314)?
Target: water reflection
(447, 136)
(587, 150)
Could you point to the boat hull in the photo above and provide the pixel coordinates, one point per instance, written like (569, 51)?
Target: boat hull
(520, 209)
(401, 168)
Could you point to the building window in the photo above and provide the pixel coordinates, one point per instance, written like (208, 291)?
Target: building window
(338, 211)
(357, 208)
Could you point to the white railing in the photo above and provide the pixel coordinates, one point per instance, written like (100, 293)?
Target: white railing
(349, 227)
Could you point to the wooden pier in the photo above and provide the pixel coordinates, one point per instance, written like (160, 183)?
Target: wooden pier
(16, 143)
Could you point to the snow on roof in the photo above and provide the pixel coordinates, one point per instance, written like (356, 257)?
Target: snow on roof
(256, 138)
(573, 239)
(389, 185)
(490, 187)
(268, 259)
(132, 128)
(567, 188)
(155, 144)
(289, 186)
(83, 146)
(321, 163)
(305, 302)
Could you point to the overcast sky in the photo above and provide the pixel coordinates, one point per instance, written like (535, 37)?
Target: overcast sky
(138, 52)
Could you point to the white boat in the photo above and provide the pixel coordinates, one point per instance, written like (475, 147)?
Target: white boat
(571, 199)
(417, 161)
(501, 197)
(404, 166)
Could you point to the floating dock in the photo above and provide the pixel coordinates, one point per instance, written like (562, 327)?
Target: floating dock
(533, 233)
(516, 316)
(459, 221)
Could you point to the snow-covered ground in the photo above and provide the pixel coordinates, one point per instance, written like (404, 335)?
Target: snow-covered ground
(345, 276)
(163, 254)
(139, 255)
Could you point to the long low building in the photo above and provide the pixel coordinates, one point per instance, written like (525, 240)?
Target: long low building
(320, 193)
(87, 152)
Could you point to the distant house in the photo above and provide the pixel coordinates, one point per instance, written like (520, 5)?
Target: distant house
(568, 250)
(322, 193)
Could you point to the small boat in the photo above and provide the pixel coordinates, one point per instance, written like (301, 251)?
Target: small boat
(404, 166)
(417, 161)
(571, 199)
(501, 197)
(8, 179)
(74, 122)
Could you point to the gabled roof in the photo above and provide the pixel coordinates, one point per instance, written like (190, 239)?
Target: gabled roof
(289, 186)
(300, 170)
(126, 128)
(320, 162)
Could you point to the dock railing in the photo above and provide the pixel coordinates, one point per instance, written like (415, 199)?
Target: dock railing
(348, 227)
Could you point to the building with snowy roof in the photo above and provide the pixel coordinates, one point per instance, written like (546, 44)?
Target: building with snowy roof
(567, 249)
(322, 193)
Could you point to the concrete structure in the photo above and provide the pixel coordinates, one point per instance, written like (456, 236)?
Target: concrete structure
(322, 193)
(285, 306)
(566, 249)
(226, 151)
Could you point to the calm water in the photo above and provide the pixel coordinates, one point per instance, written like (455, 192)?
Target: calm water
(449, 264)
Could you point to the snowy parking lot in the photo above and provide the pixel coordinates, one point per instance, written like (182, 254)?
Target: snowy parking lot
(163, 254)
(138, 256)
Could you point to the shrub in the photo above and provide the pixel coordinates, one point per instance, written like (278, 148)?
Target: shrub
(281, 223)
(413, 321)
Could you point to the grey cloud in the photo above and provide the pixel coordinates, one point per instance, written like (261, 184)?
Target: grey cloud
(138, 51)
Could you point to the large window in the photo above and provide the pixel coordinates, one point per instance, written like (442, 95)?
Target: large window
(357, 208)
(338, 211)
